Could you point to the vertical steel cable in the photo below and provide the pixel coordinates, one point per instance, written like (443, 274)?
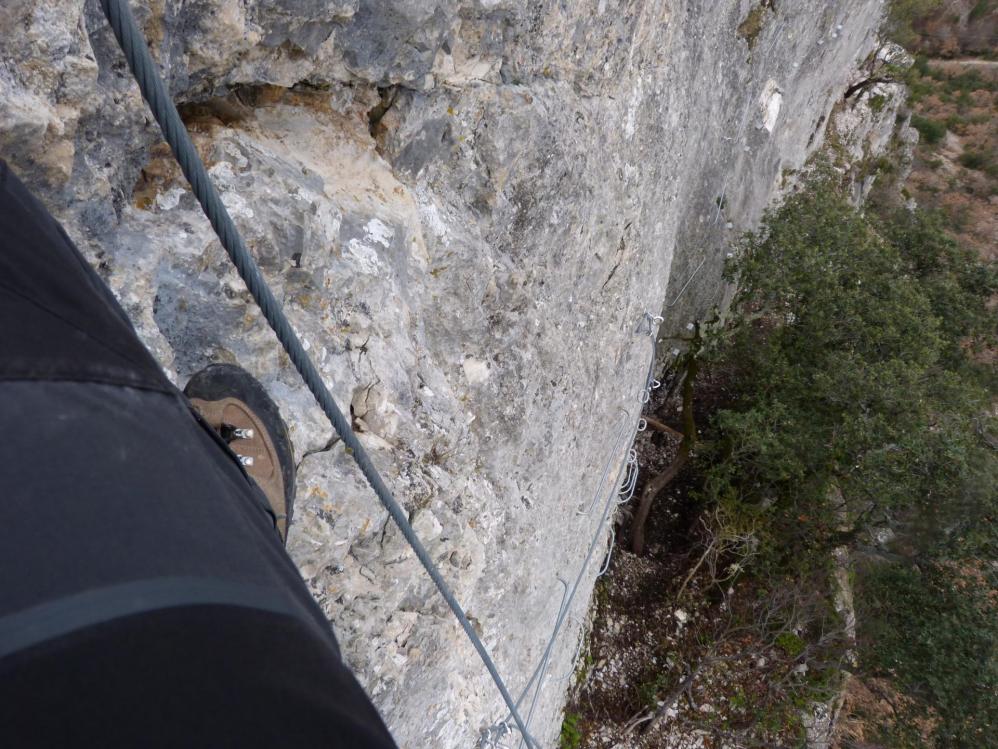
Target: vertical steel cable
(153, 90)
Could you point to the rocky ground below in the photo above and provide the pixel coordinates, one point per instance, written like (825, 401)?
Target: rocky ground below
(675, 658)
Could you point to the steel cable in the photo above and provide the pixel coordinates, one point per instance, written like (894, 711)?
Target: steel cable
(133, 45)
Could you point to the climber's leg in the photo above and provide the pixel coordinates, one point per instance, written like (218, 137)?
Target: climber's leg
(146, 599)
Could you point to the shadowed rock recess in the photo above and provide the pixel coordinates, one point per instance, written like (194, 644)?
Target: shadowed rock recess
(465, 207)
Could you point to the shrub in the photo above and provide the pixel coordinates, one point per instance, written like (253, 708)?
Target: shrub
(956, 124)
(919, 79)
(976, 160)
(933, 630)
(980, 9)
(930, 131)
(968, 81)
(790, 644)
(571, 733)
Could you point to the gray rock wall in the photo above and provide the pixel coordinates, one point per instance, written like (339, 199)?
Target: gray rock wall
(466, 208)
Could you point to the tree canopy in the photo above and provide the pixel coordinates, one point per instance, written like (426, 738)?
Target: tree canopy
(852, 339)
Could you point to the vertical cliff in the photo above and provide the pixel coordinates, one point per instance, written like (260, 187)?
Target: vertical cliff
(466, 208)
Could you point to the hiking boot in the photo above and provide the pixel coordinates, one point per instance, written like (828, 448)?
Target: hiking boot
(236, 406)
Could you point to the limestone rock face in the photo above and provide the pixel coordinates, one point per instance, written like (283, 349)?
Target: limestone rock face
(872, 120)
(466, 207)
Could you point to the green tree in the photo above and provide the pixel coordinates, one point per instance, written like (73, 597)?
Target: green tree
(855, 403)
(858, 402)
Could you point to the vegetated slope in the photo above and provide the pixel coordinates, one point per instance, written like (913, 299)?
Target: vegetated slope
(946, 28)
(846, 439)
(927, 616)
(956, 163)
(954, 98)
(824, 569)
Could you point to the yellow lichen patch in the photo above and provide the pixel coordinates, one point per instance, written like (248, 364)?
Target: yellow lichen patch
(317, 491)
(751, 27)
(158, 174)
(204, 261)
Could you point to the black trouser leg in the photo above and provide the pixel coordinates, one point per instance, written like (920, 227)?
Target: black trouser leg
(145, 596)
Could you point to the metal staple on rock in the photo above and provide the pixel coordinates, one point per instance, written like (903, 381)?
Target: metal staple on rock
(539, 671)
(625, 495)
(631, 480)
(621, 433)
(133, 45)
(720, 200)
(547, 655)
(624, 485)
